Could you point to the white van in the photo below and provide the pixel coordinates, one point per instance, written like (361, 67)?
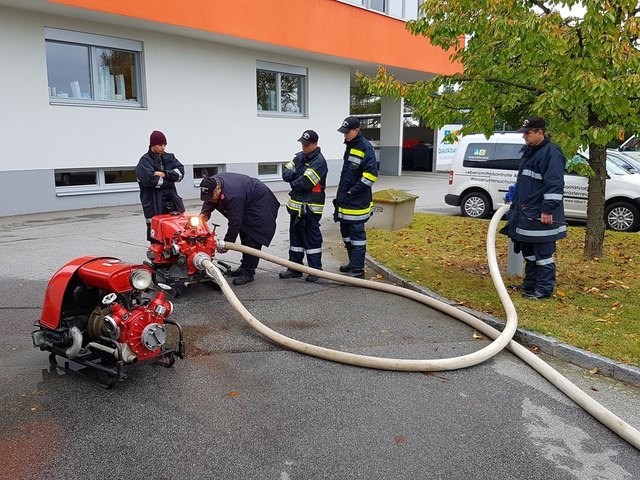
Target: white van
(482, 171)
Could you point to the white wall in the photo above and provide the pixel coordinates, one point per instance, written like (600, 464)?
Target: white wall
(202, 95)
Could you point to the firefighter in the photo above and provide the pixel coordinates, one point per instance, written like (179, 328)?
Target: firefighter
(157, 173)
(536, 217)
(307, 176)
(251, 209)
(353, 200)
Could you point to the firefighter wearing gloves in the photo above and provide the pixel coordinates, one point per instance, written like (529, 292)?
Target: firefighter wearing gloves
(306, 174)
(251, 209)
(157, 173)
(353, 200)
(536, 217)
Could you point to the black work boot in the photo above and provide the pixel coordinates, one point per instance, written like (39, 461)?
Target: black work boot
(345, 268)
(355, 273)
(238, 272)
(241, 280)
(290, 274)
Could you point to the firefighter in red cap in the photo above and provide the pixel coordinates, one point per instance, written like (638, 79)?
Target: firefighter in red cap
(307, 176)
(157, 173)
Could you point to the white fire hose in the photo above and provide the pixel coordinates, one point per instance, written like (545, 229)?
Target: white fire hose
(500, 340)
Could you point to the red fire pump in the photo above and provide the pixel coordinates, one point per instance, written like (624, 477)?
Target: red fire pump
(100, 314)
(177, 240)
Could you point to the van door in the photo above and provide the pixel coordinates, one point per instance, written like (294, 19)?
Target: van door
(504, 168)
(575, 195)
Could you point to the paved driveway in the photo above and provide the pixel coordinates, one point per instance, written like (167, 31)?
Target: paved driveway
(241, 407)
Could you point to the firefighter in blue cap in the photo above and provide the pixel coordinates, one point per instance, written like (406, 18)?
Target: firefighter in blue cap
(353, 200)
(307, 176)
(536, 218)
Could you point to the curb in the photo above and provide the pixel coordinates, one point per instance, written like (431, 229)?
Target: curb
(549, 345)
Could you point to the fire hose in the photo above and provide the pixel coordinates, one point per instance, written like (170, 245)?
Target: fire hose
(503, 339)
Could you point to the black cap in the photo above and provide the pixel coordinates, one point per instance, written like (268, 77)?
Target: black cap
(531, 123)
(308, 137)
(207, 186)
(349, 124)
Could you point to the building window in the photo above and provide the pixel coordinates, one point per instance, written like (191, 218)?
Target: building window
(89, 69)
(120, 176)
(281, 89)
(269, 170)
(66, 178)
(406, 9)
(204, 171)
(97, 180)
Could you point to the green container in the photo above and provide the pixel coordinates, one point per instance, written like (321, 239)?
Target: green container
(392, 209)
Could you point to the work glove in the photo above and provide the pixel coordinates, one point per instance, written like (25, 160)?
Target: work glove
(335, 210)
(510, 196)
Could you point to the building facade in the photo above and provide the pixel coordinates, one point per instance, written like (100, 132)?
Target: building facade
(231, 83)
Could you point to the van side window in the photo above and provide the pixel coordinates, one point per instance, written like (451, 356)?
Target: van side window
(508, 156)
(479, 155)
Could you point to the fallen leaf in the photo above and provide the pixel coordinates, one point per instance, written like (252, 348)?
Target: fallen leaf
(560, 292)
(534, 349)
(601, 320)
(233, 393)
(594, 370)
(477, 336)
(595, 389)
(399, 439)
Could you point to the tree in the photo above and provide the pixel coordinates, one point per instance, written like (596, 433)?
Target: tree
(522, 58)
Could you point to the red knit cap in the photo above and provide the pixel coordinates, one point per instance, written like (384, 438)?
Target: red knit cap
(157, 138)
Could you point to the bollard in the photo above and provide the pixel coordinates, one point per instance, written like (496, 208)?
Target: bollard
(514, 261)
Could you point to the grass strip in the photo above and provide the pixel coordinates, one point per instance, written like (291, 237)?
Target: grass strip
(595, 306)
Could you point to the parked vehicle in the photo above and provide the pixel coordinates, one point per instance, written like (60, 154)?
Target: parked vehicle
(631, 147)
(483, 169)
(625, 161)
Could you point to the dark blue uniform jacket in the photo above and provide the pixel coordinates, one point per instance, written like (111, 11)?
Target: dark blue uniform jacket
(249, 206)
(540, 187)
(154, 190)
(359, 173)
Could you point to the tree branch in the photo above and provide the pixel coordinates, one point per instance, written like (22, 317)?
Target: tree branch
(502, 82)
(541, 6)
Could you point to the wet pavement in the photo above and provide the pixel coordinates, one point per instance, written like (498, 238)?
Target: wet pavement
(241, 407)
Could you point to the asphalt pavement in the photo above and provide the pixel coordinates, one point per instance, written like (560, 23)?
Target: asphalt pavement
(240, 407)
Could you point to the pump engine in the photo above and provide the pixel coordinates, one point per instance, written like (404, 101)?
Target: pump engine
(177, 240)
(100, 314)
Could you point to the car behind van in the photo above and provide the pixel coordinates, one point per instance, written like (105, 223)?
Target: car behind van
(631, 147)
(482, 171)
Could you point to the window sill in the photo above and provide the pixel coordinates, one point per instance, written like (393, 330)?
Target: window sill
(93, 190)
(262, 113)
(125, 105)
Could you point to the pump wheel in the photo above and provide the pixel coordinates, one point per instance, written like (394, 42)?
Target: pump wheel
(476, 205)
(105, 380)
(622, 217)
(169, 360)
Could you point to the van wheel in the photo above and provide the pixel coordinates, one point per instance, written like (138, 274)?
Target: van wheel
(622, 217)
(475, 205)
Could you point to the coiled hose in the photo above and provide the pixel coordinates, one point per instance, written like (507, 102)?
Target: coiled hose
(500, 340)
